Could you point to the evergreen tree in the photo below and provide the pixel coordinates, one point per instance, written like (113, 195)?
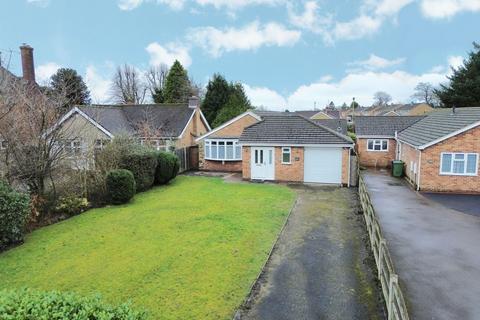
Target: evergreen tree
(237, 103)
(464, 87)
(158, 96)
(68, 84)
(218, 92)
(177, 85)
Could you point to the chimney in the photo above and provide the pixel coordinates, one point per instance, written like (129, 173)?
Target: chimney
(28, 67)
(453, 109)
(193, 102)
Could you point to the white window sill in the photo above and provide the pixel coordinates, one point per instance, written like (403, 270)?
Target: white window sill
(210, 159)
(459, 174)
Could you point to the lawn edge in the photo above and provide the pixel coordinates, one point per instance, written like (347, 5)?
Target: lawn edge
(251, 292)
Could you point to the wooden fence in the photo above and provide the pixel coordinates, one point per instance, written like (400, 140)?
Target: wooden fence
(188, 158)
(396, 307)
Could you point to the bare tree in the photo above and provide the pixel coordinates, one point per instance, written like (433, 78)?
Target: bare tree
(156, 77)
(425, 92)
(127, 86)
(381, 98)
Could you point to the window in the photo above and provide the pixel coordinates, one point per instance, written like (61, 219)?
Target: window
(377, 145)
(223, 149)
(73, 148)
(3, 144)
(459, 164)
(101, 143)
(286, 155)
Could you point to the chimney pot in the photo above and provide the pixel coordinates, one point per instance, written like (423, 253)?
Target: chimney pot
(193, 102)
(28, 67)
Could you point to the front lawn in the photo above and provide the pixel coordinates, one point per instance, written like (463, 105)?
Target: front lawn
(189, 250)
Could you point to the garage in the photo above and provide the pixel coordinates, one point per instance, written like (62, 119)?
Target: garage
(323, 165)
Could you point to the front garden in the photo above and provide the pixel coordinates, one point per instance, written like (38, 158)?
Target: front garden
(187, 250)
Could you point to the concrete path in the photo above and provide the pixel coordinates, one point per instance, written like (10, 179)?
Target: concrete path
(435, 250)
(321, 267)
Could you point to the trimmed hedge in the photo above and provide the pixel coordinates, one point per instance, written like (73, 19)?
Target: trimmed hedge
(120, 185)
(167, 167)
(142, 163)
(26, 304)
(14, 210)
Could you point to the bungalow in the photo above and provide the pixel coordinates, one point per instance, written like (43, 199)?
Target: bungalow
(304, 150)
(411, 109)
(376, 144)
(441, 151)
(163, 126)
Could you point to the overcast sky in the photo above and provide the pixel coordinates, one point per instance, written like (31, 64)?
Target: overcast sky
(288, 54)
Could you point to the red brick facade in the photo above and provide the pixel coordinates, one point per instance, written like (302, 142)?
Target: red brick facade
(376, 159)
(430, 177)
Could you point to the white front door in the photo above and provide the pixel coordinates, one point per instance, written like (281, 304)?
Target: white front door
(262, 163)
(323, 165)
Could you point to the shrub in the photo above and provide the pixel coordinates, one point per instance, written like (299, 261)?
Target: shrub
(142, 162)
(352, 135)
(29, 304)
(71, 205)
(167, 167)
(120, 185)
(14, 210)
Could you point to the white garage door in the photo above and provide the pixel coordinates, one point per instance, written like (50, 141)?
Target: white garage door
(323, 165)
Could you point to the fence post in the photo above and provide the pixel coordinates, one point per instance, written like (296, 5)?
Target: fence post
(381, 246)
(393, 284)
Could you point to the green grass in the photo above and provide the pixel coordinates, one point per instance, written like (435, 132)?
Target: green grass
(189, 250)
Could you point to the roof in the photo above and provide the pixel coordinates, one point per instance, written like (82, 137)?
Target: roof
(399, 109)
(290, 128)
(440, 125)
(332, 113)
(339, 125)
(168, 119)
(384, 126)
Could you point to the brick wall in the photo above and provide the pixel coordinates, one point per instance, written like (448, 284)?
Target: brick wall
(345, 165)
(410, 156)
(235, 129)
(431, 180)
(378, 159)
(292, 172)
(195, 129)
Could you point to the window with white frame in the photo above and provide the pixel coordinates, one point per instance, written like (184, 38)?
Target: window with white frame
(223, 149)
(72, 148)
(3, 144)
(286, 155)
(377, 145)
(459, 163)
(101, 143)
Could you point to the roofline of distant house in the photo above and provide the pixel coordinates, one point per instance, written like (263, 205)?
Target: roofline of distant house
(250, 112)
(288, 144)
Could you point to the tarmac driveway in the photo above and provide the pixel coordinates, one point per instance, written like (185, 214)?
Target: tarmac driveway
(321, 266)
(435, 250)
(465, 203)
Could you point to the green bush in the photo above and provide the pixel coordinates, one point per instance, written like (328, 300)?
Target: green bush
(71, 205)
(120, 185)
(142, 162)
(352, 135)
(167, 167)
(14, 210)
(26, 304)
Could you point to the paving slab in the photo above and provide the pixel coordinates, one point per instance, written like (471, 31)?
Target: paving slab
(435, 250)
(321, 267)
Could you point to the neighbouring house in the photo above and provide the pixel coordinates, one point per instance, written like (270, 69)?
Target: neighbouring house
(411, 109)
(290, 147)
(163, 126)
(327, 113)
(441, 151)
(227, 135)
(376, 145)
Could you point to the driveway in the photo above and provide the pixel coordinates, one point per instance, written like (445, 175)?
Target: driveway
(435, 250)
(465, 203)
(320, 267)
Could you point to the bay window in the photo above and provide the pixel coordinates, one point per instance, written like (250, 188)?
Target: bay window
(223, 149)
(459, 163)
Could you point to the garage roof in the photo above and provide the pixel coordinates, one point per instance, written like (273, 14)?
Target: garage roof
(383, 126)
(289, 128)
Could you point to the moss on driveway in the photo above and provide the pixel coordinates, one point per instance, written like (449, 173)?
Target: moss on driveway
(189, 250)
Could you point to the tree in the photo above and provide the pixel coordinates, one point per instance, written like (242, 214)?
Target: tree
(464, 87)
(127, 86)
(217, 95)
(156, 78)
(177, 85)
(69, 84)
(344, 106)
(381, 98)
(425, 92)
(237, 103)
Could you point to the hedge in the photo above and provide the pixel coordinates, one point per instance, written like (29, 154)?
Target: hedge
(142, 163)
(167, 167)
(26, 304)
(120, 185)
(14, 210)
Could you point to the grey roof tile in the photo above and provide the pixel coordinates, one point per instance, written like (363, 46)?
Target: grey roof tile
(438, 124)
(383, 125)
(290, 128)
